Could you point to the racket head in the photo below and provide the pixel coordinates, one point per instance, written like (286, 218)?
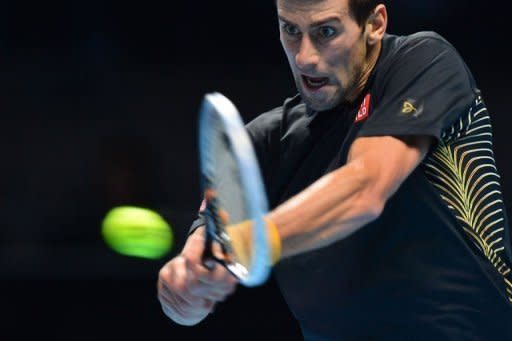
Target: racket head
(229, 167)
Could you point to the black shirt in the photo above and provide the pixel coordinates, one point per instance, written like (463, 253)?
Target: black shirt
(436, 263)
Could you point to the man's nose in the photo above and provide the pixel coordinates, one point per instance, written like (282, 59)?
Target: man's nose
(307, 56)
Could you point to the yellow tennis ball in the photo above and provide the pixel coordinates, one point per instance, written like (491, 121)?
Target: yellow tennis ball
(138, 232)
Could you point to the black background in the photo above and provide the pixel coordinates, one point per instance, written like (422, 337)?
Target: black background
(99, 104)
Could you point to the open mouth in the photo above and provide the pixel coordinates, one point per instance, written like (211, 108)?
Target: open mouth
(314, 82)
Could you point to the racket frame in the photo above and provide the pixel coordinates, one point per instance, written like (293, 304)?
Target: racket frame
(218, 108)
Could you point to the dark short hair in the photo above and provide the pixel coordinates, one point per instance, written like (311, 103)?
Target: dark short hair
(361, 9)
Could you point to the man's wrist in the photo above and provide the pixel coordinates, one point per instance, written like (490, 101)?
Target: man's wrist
(242, 242)
(274, 240)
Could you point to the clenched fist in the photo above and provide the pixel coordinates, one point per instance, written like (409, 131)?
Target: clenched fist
(187, 290)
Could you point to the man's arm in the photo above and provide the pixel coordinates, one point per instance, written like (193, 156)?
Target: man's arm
(348, 198)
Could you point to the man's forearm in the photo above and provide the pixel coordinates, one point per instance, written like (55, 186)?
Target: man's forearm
(330, 209)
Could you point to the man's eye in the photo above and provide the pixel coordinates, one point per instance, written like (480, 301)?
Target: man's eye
(290, 29)
(326, 32)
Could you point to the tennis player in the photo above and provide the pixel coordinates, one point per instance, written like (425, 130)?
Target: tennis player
(383, 186)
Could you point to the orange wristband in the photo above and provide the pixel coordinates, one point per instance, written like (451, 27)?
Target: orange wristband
(241, 239)
(274, 240)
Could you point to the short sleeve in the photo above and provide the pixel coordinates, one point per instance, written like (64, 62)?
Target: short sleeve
(420, 90)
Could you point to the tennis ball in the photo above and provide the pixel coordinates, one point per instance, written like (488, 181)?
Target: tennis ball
(136, 231)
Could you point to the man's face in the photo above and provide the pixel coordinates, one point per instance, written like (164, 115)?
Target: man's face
(325, 47)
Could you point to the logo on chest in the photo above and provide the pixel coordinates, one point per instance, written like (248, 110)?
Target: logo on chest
(411, 108)
(364, 109)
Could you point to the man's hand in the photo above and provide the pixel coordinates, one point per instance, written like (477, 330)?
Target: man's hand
(187, 290)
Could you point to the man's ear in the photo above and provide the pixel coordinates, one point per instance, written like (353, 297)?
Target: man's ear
(376, 25)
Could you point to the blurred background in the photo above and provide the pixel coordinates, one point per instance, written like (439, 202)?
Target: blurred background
(99, 103)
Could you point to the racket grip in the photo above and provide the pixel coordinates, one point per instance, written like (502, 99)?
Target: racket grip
(208, 259)
(209, 264)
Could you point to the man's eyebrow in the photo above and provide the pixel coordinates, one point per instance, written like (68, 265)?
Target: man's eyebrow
(314, 24)
(283, 19)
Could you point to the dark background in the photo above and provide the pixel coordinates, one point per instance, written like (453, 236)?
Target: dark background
(99, 104)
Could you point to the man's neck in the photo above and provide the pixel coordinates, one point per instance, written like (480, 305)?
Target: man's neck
(373, 57)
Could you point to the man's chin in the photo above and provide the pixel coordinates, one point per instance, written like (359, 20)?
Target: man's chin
(322, 99)
(319, 104)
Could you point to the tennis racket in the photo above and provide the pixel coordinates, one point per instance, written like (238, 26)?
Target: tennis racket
(233, 187)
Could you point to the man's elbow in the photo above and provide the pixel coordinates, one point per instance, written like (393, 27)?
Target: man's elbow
(370, 207)
(368, 201)
(375, 209)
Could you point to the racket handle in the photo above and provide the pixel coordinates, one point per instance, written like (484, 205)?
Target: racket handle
(209, 264)
(208, 259)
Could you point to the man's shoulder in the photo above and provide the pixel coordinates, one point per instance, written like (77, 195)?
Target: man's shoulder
(429, 42)
(425, 35)
(415, 51)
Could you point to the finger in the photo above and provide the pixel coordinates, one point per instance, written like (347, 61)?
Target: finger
(192, 281)
(214, 285)
(194, 247)
(184, 316)
(182, 298)
(217, 250)
(209, 305)
(210, 292)
(176, 280)
(187, 306)
(173, 305)
(217, 276)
